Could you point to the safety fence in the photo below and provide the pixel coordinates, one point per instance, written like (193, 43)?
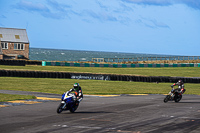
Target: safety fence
(50, 63)
(46, 63)
(90, 76)
(135, 59)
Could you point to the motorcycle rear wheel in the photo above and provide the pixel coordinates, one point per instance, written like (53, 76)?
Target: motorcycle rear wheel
(72, 110)
(177, 98)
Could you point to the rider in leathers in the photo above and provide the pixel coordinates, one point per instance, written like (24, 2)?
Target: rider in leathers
(180, 86)
(78, 92)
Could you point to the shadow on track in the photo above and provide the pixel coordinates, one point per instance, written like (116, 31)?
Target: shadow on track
(89, 112)
(189, 102)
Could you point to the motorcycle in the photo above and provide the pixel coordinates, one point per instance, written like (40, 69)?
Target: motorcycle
(174, 95)
(68, 102)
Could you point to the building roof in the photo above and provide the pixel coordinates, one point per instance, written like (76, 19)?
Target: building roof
(13, 35)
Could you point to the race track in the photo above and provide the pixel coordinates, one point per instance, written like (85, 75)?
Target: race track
(119, 114)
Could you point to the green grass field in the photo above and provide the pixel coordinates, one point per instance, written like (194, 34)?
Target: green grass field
(58, 86)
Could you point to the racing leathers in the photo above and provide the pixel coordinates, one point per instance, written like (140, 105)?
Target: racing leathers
(180, 87)
(78, 93)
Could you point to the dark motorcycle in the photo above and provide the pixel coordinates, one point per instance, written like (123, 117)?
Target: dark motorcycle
(68, 102)
(174, 95)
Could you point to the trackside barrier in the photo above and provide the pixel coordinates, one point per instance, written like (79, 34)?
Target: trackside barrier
(13, 62)
(20, 62)
(89, 76)
(46, 63)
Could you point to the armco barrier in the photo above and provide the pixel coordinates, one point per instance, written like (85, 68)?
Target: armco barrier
(90, 76)
(46, 63)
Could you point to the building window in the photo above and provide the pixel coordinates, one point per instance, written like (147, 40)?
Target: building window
(17, 37)
(4, 45)
(18, 46)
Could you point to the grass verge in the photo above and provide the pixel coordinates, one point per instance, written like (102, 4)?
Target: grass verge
(10, 97)
(95, 87)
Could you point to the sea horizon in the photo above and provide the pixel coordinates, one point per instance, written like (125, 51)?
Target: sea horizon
(51, 54)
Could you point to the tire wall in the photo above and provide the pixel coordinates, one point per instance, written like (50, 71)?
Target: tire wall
(20, 62)
(89, 76)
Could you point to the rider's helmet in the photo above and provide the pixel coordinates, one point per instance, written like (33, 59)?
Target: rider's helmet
(76, 86)
(180, 82)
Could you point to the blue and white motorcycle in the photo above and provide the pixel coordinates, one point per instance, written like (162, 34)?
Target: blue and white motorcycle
(68, 102)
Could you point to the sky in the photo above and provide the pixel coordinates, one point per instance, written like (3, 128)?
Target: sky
(169, 27)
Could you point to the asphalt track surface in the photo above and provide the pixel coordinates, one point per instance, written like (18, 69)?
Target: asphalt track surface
(119, 114)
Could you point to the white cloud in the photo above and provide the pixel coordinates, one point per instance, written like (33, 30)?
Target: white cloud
(30, 6)
(191, 3)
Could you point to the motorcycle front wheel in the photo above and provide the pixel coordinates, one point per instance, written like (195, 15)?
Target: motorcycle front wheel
(166, 99)
(59, 109)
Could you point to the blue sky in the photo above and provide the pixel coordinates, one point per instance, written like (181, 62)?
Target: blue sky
(131, 26)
